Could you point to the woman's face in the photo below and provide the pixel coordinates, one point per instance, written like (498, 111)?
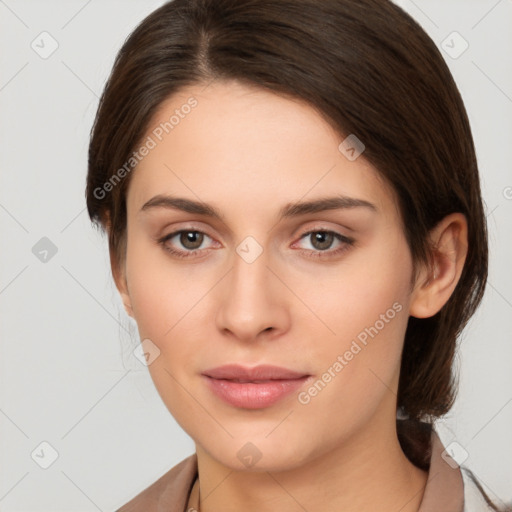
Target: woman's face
(323, 292)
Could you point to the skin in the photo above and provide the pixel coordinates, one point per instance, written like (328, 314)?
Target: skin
(248, 152)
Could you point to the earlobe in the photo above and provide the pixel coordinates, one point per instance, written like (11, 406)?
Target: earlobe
(118, 274)
(119, 277)
(125, 296)
(437, 281)
(128, 308)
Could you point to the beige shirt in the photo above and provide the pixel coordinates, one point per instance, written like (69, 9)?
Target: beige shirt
(448, 489)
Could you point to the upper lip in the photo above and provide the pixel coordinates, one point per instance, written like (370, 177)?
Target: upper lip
(261, 372)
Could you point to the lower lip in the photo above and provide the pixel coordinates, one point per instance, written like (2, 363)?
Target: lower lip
(251, 395)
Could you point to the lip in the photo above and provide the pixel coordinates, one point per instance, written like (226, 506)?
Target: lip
(253, 388)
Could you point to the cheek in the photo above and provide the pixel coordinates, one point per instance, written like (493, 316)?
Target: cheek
(365, 338)
(367, 292)
(168, 305)
(358, 369)
(365, 308)
(162, 294)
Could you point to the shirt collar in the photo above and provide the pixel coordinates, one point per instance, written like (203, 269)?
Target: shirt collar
(444, 491)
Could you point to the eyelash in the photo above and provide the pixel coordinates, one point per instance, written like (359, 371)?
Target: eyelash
(346, 241)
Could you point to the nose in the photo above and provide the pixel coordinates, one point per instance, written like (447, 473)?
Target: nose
(253, 302)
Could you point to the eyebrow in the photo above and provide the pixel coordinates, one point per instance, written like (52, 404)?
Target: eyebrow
(289, 210)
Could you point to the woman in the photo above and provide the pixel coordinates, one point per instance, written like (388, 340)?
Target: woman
(292, 202)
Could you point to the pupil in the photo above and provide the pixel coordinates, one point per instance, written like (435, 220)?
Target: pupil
(324, 239)
(191, 239)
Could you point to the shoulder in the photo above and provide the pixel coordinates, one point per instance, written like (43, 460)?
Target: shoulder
(170, 492)
(475, 498)
(450, 486)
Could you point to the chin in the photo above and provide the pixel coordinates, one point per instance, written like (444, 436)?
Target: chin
(258, 453)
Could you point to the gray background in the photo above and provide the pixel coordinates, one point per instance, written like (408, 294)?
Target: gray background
(68, 375)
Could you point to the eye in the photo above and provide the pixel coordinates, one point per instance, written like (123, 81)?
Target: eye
(186, 243)
(321, 242)
(189, 239)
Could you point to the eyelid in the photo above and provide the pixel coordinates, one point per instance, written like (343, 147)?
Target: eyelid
(322, 227)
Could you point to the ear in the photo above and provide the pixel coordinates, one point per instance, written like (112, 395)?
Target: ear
(435, 283)
(119, 275)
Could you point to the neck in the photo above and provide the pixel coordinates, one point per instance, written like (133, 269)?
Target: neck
(368, 472)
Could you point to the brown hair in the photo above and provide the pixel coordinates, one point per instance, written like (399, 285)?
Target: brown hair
(370, 70)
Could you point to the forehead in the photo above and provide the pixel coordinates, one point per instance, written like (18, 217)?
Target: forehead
(235, 144)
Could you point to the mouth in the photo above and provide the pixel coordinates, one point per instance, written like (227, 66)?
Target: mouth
(253, 388)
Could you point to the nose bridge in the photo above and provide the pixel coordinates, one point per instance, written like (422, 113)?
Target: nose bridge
(249, 275)
(249, 278)
(251, 302)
